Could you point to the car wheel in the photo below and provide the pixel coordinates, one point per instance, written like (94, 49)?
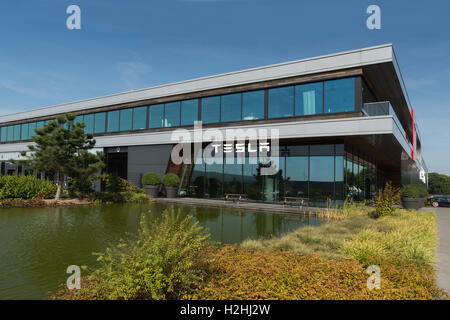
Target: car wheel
(435, 204)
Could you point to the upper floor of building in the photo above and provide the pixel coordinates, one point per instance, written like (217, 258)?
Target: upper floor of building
(341, 85)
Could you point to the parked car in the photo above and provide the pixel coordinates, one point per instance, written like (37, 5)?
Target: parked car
(440, 201)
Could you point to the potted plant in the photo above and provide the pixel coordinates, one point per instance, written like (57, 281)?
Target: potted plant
(413, 196)
(151, 182)
(171, 181)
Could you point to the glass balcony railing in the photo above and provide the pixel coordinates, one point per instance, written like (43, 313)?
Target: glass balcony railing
(385, 109)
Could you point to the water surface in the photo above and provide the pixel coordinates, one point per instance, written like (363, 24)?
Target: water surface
(38, 244)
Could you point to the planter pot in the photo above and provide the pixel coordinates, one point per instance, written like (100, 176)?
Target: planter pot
(152, 191)
(171, 192)
(413, 203)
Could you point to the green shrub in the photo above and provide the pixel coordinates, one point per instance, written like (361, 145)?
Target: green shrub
(138, 197)
(80, 188)
(384, 203)
(414, 191)
(171, 180)
(160, 262)
(25, 187)
(109, 197)
(151, 179)
(234, 274)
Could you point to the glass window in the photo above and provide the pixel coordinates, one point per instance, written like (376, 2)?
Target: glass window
(113, 121)
(89, 123)
(322, 150)
(40, 124)
(4, 133)
(189, 112)
(31, 128)
(99, 119)
(281, 102)
(156, 116)
(126, 119)
(232, 177)
(253, 105)
(231, 107)
(340, 95)
(252, 178)
(17, 132)
(10, 133)
(79, 119)
(197, 181)
(322, 179)
(297, 176)
(172, 114)
(308, 99)
(140, 118)
(24, 135)
(213, 180)
(211, 110)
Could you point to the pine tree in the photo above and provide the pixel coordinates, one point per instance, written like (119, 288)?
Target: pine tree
(62, 147)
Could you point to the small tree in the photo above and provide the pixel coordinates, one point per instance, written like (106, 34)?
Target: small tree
(62, 147)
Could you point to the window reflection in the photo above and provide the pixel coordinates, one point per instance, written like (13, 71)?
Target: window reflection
(126, 119)
(24, 134)
(113, 121)
(308, 99)
(281, 102)
(99, 119)
(339, 95)
(156, 116)
(31, 128)
(253, 105)
(211, 110)
(172, 114)
(89, 122)
(140, 118)
(189, 112)
(231, 107)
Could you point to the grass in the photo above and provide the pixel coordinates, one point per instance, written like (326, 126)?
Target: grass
(405, 237)
(236, 273)
(322, 262)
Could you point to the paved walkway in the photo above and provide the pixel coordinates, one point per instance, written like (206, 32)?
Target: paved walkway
(243, 205)
(443, 250)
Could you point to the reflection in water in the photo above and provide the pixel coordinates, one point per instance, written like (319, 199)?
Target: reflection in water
(38, 244)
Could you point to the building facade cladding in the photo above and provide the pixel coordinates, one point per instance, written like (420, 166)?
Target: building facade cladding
(322, 168)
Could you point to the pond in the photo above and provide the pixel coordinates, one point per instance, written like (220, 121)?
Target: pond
(38, 244)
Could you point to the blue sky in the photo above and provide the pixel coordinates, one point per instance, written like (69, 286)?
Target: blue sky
(125, 45)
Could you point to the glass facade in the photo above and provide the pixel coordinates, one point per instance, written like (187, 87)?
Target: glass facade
(281, 102)
(113, 121)
(99, 122)
(156, 114)
(140, 118)
(253, 105)
(309, 99)
(339, 95)
(231, 107)
(332, 96)
(189, 112)
(314, 171)
(211, 110)
(172, 114)
(126, 119)
(89, 123)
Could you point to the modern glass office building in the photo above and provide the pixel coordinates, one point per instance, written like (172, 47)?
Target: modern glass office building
(345, 124)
